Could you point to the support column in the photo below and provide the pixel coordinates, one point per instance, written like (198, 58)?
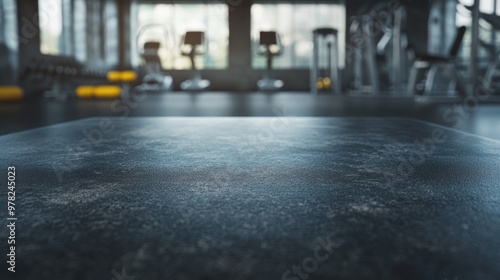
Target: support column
(240, 42)
(28, 30)
(473, 64)
(125, 36)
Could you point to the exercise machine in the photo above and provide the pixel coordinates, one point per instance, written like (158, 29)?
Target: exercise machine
(491, 76)
(382, 53)
(325, 77)
(192, 46)
(433, 63)
(270, 47)
(153, 77)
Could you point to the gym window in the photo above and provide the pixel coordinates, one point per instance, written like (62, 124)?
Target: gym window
(168, 24)
(110, 43)
(8, 24)
(9, 41)
(80, 29)
(295, 24)
(486, 33)
(53, 37)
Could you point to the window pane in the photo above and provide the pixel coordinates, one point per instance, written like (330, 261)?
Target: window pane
(295, 24)
(50, 26)
(65, 41)
(9, 42)
(168, 23)
(80, 28)
(463, 18)
(8, 24)
(2, 22)
(111, 32)
(486, 6)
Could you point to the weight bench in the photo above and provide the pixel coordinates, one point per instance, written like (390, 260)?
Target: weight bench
(433, 63)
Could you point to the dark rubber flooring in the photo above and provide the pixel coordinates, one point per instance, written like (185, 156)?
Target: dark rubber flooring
(252, 198)
(482, 119)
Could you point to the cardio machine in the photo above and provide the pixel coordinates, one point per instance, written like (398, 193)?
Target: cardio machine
(154, 79)
(192, 46)
(269, 46)
(381, 53)
(491, 78)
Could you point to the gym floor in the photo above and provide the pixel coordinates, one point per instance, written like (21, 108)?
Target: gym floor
(103, 181)
(476, 116)
(275, 197)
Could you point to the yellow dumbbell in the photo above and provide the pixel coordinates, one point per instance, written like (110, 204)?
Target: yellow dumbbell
(123, 78)
(114, 76)
(107, 91)
(128, 76)
(327, 83)
(85, 92)
(319, 84)
(11, 93)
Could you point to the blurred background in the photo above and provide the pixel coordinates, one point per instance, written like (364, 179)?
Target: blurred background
(434, 60)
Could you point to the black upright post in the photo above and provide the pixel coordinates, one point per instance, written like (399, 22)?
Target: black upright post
(240, 44)
(28, 31)
(125, 33)
(473, 63)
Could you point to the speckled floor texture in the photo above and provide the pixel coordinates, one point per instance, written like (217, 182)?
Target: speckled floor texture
(252, 198)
